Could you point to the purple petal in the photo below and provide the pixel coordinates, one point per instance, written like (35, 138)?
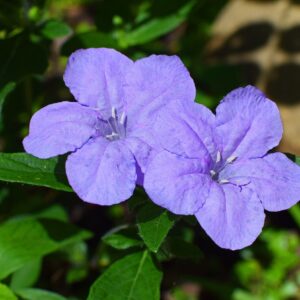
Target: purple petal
(248, 123)
(102, 172)
(95, 78)
(186, 129)
(231, 216)
(60, 128)
(142, 152)
(274, 178)
(153, 82)
(176, 183)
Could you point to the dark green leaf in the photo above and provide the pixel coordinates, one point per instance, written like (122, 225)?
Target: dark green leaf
(9, 87)
(22, 240)
(53, 29)
(26, 276)
(176, 247)
(133, 277)
(157, 27)
(24, 168)
(38, 294)
(122, 237)
(154, 224)
(92, 39)
(6, 293)
(20, 57)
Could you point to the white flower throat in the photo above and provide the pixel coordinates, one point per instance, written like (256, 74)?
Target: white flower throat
(117, 125)
(219, 166)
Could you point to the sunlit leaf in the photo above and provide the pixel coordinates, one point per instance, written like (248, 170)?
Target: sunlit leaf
(157, 27)
(26, 276)
(154, 224)
(6, 293)
(38, 294)
(22, 240)
(24, 168)
(133, 277)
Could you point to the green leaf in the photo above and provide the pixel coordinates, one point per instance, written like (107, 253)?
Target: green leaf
(6, 293)
(22, 240)
(56, 212)
(53, 29)
(92, 39)
(122, 237)
(38, 294)
(154, 224)
(8, 88)
(158, 27)
(133, 277)
(25, 168)
(26, 276)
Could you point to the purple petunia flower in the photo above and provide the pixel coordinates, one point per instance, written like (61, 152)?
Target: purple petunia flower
(217, 167)
(106, 128)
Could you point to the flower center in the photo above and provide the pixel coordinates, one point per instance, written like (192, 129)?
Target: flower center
(220, 165)
(117, 125)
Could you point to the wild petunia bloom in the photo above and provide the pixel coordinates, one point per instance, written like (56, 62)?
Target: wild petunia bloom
(217, 167)
(106, 128)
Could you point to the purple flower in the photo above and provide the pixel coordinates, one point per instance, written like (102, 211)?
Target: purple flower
(106, 128)
(217, 167)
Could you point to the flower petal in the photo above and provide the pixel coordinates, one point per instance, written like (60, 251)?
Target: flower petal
(251, 121)
(176, 183)
(60, 128)
(102, 172)
(274, 178)
(185, 129)
(142, 151)
(95, 78)
(231, 216)
(153, 82)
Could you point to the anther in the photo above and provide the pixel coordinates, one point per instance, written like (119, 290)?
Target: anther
(123, 118)
(223, 181)
(219, 157)
(114, 112)
(212, 172)
(231, 159)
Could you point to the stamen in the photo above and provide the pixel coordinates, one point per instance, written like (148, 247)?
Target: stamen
(111, 136)
(219, 157)
(123, 118)
(231, 159)
(224, 181)
(212, 172)
(114, 112)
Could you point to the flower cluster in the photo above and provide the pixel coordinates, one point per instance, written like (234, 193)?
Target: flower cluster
(137, 123)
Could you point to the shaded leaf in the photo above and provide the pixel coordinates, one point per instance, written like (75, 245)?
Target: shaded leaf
(133, 277)
(25, 168)
(8, 88)
(176, 247)
(92, 39)
(20, 57)
(122, 237)
(154, 224)
(53, 29)
(22, 240)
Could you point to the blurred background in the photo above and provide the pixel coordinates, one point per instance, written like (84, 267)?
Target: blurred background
(224, 44)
